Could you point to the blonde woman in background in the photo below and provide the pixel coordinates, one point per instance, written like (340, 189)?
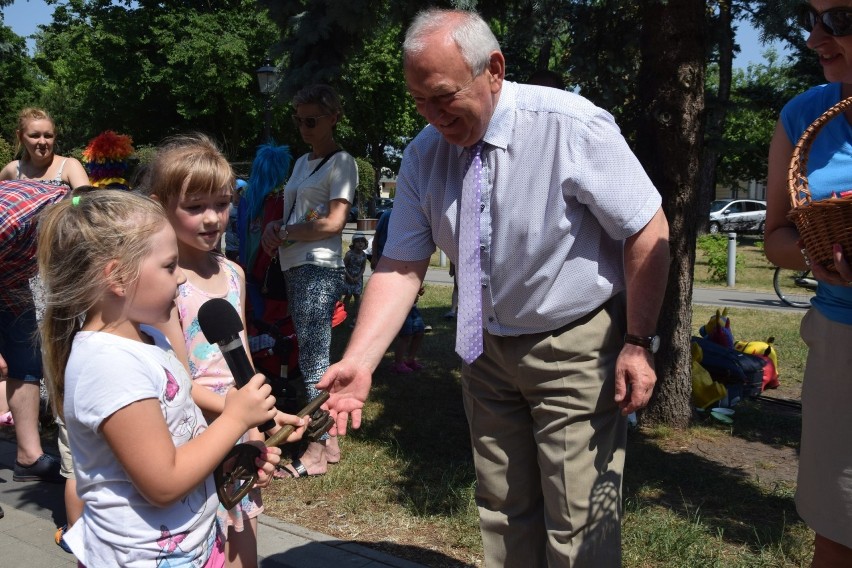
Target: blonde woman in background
(35, 140)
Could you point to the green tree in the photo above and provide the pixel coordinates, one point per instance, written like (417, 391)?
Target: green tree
(318, 36)
(365, 191)
(759, 93)
(382, 118)
(20, 80)
(604, 57)
(155, 68)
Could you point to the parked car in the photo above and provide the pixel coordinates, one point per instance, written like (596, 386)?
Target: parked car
(382, 205)
(737, 215)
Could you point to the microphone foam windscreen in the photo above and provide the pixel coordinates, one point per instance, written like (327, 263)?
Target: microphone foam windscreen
(219, 320)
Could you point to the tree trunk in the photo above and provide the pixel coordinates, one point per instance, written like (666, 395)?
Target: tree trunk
(544, 53)
(717, 112)
(669, 144)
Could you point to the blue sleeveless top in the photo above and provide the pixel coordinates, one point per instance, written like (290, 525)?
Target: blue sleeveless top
(829, 170)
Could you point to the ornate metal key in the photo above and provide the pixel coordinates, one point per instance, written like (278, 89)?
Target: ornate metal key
(237, 473)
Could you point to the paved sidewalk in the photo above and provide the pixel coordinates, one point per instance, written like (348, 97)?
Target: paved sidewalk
(34, 510)
(720, 297)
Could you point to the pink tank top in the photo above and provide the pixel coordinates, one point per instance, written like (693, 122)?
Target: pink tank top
(206, 364)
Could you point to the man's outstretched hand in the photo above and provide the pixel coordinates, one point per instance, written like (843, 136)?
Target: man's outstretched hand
(348, 385)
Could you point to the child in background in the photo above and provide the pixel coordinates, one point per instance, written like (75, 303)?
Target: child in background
(195, 183)
(5, 414)
(232, 235)
(454, 305)
(143, 452)
(408, 341)
(355, 262)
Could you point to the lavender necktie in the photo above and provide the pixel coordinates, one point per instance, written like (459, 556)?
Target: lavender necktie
(469, 318)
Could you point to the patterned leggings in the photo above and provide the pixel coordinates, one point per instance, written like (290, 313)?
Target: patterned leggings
(312, 292)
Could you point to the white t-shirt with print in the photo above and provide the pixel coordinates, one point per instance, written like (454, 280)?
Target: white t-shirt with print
(119, 527)
(336, 179)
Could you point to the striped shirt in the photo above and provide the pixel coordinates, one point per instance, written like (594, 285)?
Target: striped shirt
(561, 192)
(20, 203)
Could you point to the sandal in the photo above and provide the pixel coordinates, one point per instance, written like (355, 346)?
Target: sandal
(299, 471)
(59, 538)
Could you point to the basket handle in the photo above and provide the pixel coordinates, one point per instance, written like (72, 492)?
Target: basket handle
(797, 180)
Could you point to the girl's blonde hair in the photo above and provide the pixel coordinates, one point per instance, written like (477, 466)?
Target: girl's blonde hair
(27, 115)
(192, 161)
(77, 239)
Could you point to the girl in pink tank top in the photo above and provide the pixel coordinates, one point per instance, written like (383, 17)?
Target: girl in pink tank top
(194, 182)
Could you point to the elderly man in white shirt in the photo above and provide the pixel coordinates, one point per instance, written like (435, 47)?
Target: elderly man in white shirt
(571, 268)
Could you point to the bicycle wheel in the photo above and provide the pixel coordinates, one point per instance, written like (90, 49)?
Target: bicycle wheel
(794, 287)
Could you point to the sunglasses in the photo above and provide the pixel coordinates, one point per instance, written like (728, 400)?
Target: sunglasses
(308, 121)
(836, 21)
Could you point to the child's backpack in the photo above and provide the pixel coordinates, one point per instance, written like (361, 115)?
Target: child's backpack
(741, 373)
(764, 349)
(705, 391)
(718, 329)
(266, 270)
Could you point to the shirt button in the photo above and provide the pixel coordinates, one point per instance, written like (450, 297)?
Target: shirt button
(482, 207)
(484, 286)
(491, 319)
(481, 247)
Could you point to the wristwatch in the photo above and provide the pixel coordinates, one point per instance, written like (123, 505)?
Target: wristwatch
(651, 343)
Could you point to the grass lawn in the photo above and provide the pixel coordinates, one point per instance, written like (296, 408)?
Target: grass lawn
(713, 495)
(753, 273)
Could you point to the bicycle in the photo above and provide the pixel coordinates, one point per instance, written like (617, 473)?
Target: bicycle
(794, 287)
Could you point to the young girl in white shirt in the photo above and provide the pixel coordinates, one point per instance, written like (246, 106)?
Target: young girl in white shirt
(143, 452)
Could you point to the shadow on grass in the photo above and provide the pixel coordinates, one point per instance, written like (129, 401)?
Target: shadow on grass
(726, 500)
(358, 554)
(421, 417)
(772, 425)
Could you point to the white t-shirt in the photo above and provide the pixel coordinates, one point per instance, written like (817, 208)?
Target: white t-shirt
(336, 179)
(119, 527)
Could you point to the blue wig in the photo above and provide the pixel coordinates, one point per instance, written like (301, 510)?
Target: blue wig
(269, 169)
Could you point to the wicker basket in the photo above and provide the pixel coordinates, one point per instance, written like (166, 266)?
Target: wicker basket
(826, 222)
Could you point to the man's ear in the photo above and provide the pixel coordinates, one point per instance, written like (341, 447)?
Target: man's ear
(496, 71)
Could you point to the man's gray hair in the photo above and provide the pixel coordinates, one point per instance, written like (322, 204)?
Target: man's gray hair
(468, 30)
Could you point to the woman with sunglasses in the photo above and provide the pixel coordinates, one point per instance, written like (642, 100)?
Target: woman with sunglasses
(824, 488)
(317, 199)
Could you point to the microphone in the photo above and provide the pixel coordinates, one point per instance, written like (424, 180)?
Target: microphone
(221, 324)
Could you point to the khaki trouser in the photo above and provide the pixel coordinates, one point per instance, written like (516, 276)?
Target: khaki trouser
(824, 484)
(548, 443)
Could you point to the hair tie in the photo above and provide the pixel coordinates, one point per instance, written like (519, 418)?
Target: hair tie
(75, 201)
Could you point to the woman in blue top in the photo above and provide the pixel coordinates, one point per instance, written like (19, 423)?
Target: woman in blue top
(824, 488)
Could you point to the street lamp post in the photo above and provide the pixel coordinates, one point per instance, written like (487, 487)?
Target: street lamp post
(267, 79)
